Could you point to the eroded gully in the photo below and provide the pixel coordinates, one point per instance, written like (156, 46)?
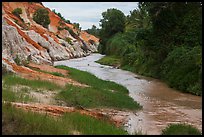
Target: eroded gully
(161, 105)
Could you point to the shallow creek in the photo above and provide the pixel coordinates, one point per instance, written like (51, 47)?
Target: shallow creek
(161, 105)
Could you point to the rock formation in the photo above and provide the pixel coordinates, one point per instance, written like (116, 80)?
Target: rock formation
(23, 40)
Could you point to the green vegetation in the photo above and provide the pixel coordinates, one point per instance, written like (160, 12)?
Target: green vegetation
(113, 22)
(94, 31)
(96, 98)
(180, 129)
(76, 25)
(60, 28)
(69, 40)
(17, 12)
(161, 40)
(18, 122)
(57, 74)
(20, 62)
(9, 95)
(59, 14)
(109, 60)
(41, 16)
(35, 84)
(16, 21)
(100, 93)
(71, 32)
(52, 73)
(89, 79)
(17, 60)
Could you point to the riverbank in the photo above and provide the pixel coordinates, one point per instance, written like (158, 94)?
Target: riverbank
(83, 100)
(161, 105)
(116, 63)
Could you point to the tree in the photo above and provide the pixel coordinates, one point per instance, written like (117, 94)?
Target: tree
(76, 25)
(138, 18)
(59, 14)
(113, 21)
(94, 31)
(41, 17)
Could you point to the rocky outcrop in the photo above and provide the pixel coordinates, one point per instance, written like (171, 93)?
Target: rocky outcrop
(15, 46)
(23, 40)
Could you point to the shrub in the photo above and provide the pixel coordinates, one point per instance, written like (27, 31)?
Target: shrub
(17, 12)
(17, 60)
(69, 40)
(25, 63)
(60, 28)
(59, 14)
(116, 45)
(182, 69)
(67, 21)
(180, 129)
(61, 23)
(16, 21)
(71, 32)
(41, 17)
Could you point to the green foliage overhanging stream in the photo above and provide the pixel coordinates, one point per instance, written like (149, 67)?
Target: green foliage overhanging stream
(160, 39)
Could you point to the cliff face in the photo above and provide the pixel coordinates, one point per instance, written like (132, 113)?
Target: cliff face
(24, 39)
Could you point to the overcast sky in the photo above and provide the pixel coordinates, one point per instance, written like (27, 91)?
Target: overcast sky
(88, 13)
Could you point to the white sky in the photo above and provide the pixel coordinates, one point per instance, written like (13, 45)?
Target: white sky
(88, 13)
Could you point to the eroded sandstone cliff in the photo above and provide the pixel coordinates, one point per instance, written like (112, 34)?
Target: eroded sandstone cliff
(23, 40)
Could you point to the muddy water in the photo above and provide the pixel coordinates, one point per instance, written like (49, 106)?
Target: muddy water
(161, 104)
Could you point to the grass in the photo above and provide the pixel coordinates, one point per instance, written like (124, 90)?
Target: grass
(9, 95)
(57, 74)
(93, 98)
(52, 73)
(18, 122)
(35, 84)
(88, 125)
(100, 93)
(109, 60)
(173, 78)
(93, 81)
(114, 61)
(128, 68)
(180, 129)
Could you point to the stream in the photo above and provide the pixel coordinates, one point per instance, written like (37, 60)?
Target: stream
(161, 105)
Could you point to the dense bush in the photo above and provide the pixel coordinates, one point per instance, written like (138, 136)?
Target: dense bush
(94, 31)
(17, 12)
(180, 129)
(182, 69)
(116, 45)
(161, 40)
(113, 21)
(41, 16)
